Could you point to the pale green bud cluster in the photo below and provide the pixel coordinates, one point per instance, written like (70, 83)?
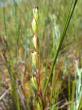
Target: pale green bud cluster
(35, 53)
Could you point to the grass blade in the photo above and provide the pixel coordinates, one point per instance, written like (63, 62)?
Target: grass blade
(61, 41)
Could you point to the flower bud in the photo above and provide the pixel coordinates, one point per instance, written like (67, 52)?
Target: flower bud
(34, 59)
(34, 83)
(34, 26)
(35, 14)
(35, 42)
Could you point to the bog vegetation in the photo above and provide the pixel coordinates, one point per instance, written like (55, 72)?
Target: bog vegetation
(40, 55)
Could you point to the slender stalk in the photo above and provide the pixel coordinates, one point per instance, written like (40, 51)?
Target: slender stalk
(5, 27)
(10, 70)
(14, 86)
(17, 27)
(61, 42)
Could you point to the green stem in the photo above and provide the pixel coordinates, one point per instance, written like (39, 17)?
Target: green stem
(5, 29)
(61, 42)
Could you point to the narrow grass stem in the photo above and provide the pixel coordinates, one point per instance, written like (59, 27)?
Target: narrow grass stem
(61, 42)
